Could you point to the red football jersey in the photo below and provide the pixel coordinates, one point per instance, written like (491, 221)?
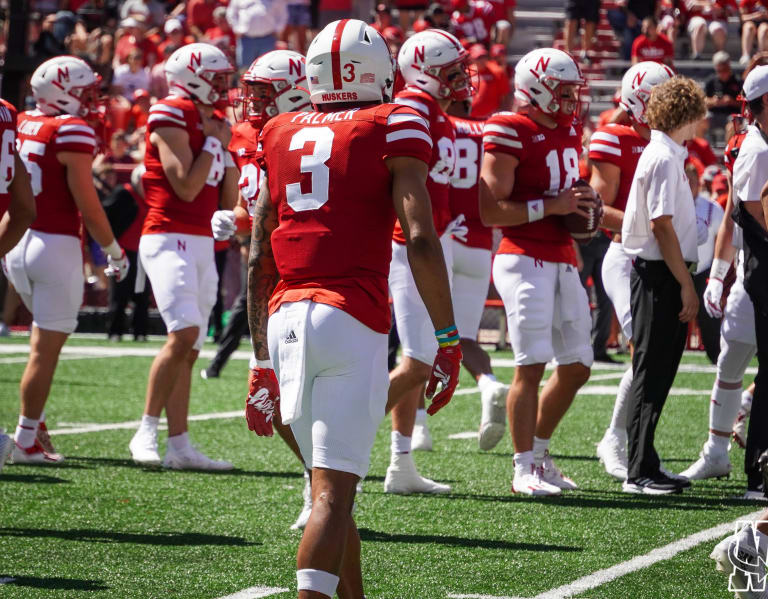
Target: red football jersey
(242, 147)
(622, 146)
(167, 212)
(477, 23)
(328, 178)
(661, 50)
(548, 164)
(7, 146)
(443, 156)
(501, 7)
(732, 150)
(464, 189)
(40, 139)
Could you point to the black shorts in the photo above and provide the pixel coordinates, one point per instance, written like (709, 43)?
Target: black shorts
(588, 10)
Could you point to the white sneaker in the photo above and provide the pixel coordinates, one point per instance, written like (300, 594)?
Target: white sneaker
(709, 465)
(303, 518)
(552, 475)
(6, 447)
(421, 439)
(493, 421)
(143, 448)
(34, 455)
(531, 483)
(740, 549)
(403, 479)
(612, 451)
(190, 458)
(739, 433)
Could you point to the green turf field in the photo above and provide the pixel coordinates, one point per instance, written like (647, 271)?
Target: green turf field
(99, 526)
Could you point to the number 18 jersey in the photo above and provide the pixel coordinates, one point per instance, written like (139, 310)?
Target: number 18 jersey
(328, 179)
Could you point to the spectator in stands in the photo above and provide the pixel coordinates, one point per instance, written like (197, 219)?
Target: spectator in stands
(394, 37)
(154, 12)
(472, 20)
(221, 28)
(435, 17)
(754, 25)
(200, 16)
(257, 24)
(504, 20)
(131, 76)
(333, 10)
(699, 147)
(408, 11)
(117, 154)
(140, 110)
(723, 88)
(382, 17)
(132, 35)
(707, 16)
(576, 12)
(299, 20)
(492, 92)
(626, 18)
(174, 36)
(652, 45)
(158, 86)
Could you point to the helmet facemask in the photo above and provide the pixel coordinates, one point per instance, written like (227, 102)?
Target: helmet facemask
(90, 99)
(454, 78)
(565, 99)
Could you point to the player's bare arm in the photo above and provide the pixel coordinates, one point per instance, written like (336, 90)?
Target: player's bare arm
(21, 209)
(186, 175)
(605, 181)
(262, 271)
(670, 249)
(724, 249)
(229, 191)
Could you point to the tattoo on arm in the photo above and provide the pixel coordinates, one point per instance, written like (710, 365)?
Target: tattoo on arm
(262, 271)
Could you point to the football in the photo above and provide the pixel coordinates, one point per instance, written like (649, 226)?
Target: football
(584, 229)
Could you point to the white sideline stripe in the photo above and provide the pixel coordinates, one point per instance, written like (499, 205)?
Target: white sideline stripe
(25, 359)
(255, 593)
(612, 390)
(660, 554)
(465, 435)
(95, 428)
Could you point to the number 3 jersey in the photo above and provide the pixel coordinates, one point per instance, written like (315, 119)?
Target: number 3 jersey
(167, 212)
(7, 147)
(332, 189)
(548, 164)
(40, 139)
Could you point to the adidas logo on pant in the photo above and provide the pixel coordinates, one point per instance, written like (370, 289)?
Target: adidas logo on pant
(291, 338)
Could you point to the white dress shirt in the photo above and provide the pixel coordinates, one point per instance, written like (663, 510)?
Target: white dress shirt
(750, 172)
(257, 18)
(710, 214)
(660, 187)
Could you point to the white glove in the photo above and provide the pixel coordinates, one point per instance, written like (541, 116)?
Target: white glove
(457, 228)
(118, 267)
(223, 224)
(712, 296)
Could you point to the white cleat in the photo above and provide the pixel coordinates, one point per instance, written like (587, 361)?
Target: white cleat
(612, 451)
(708, 466)
(403, 479)
(740, 549)
(45, 442)
(532, 483)
(6, 447)
(143, 448)
(552, 475)
(493, 422)
(421, 439)
(190, 458)
(303, 518)
(34, 455)
(739, 433)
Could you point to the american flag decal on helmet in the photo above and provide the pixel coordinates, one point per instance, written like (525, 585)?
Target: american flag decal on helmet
(314, 80)
(367, 78)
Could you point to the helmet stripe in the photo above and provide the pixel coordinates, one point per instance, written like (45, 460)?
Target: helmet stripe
(335, 57)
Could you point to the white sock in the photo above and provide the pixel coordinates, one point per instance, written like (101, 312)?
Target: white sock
(717, 444)
(723, 407)
(400, 443)
(540, 447)
(26, 432)
(485, 380)
(746, 401)
(421, 416)
(149, 423)
(42, 416)
(179, 442)
(621, 404)
(523, 461)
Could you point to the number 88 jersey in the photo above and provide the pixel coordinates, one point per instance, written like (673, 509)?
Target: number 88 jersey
(548, 164)
(7, 147)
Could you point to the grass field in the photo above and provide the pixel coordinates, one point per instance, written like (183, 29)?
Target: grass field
(100, 526)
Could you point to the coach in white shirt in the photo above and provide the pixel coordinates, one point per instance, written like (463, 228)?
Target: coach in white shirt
(659, 230)
(257, 24)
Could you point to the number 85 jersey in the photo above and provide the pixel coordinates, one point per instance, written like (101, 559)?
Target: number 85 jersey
(548, 164)
(329, 181)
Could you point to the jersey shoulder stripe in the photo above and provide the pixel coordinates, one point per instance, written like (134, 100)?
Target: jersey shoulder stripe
(415, 104)
(163, 107)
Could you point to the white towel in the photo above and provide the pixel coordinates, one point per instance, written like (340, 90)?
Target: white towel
(141, 276)
(292, 358)
(15, 269)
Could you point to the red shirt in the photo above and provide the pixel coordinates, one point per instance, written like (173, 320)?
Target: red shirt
(492, 86)
(328, 178)
(732, 150)
(442, 161)
(200, 13)
(477, 23)
(167, 212)
(127, 43)
(242, 147)
(41, 138)
(501, 8)
(661, 50)
(464, 189)
(750, 6)
(548, 164)
(621, 146)
(698, 147)
(7, 147)
(215, 33)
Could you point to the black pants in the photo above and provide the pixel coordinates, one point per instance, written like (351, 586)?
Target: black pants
(709, 327)
(592, 255)
(659, 339)
(119, 296)
(757, 433)
(232, 335)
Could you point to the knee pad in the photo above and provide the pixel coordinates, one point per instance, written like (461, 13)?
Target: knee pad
(733, 360)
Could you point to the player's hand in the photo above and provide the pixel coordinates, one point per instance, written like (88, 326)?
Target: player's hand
(690, 302)
(445, 370)
(223, 224)
(117, 268)
(263, 399)
(217, 128)
(713, 295)
(458, 229)
(575, 199)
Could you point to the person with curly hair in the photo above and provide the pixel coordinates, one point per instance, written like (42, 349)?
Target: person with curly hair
(659, 230)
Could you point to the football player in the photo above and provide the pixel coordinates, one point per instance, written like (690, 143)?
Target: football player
(56, 141)
(530, 168)
(189, 174)
(471, 250)
(434, 67)
(275, 83)
(613, 152)
(321, 250)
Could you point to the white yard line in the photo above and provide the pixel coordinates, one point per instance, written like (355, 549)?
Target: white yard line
(256, 593)
(95, 428)
(25, 359)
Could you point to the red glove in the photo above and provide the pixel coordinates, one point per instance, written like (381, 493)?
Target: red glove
(263, 400)
(446, 371)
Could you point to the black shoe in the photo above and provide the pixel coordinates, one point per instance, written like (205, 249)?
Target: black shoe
(657, 485)
(605, 357)
(209, 373)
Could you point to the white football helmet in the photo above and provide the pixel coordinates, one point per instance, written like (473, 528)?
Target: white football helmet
(199, 71)
(66, 85)
(636, 87)
(426, 60)
(349, 61)
(282, 70)
(540, 77)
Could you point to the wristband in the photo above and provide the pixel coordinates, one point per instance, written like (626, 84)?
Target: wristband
(448, 336)
(719, 269)
(212, 145)
(228, 160)
(113, 250)
(264, 364)
(535, 210)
